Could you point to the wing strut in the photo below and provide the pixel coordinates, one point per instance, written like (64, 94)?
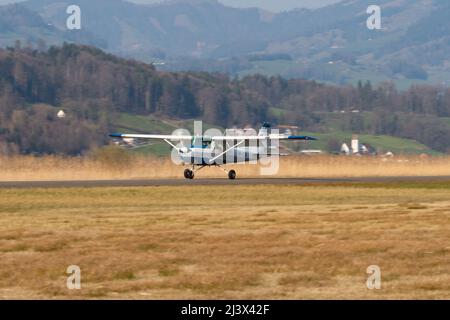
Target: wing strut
(171, 144)
(229, 149)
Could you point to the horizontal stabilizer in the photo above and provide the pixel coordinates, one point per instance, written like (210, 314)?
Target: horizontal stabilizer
(301, 138)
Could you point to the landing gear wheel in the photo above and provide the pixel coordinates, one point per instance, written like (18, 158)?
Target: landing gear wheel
(232, 175)
(189, 174)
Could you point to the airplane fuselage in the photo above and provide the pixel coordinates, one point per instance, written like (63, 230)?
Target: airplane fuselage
(213, 157)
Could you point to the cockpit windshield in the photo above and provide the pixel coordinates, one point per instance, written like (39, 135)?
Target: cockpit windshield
(198, 142)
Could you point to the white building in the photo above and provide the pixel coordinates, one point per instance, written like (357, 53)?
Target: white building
(61, 114)
(355, 144)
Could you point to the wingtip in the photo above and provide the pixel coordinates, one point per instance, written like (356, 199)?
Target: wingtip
(302, 138)
(115, 135)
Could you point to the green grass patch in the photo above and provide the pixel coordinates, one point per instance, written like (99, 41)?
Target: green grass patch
(124, 275)
(381, 143)
(168, 272)
(141, 124)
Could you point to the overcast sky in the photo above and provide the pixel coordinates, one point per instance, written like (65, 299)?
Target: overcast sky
(272, 5)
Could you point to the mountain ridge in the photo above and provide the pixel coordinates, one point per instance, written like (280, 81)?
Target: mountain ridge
(330, 44)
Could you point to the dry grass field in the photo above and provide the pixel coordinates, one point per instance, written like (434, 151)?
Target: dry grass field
(123, 165)
(246, 242)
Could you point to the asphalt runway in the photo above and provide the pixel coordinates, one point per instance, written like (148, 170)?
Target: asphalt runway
(213, 182)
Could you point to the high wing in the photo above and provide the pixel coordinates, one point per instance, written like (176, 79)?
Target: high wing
(214, 138)
(270, 136)
(150, 136)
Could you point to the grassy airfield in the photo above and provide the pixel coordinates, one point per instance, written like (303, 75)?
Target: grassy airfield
(239, 242)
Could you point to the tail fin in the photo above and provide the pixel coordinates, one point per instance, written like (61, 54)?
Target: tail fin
(265, 129)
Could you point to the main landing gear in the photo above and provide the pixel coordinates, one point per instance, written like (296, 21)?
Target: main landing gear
(189, 174)
(231, 174)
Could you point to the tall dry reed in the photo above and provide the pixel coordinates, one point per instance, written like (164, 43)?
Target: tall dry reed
(31, 168)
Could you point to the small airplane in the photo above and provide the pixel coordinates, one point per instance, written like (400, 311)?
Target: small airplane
(200, 151)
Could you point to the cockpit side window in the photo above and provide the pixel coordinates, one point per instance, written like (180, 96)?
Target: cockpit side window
(204, 143)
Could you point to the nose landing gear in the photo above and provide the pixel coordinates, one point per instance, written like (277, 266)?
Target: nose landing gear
(189, 174)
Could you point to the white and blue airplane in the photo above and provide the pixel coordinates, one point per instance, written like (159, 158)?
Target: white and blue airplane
(200, 151)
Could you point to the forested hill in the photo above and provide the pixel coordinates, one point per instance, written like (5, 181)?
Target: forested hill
(92, 86)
